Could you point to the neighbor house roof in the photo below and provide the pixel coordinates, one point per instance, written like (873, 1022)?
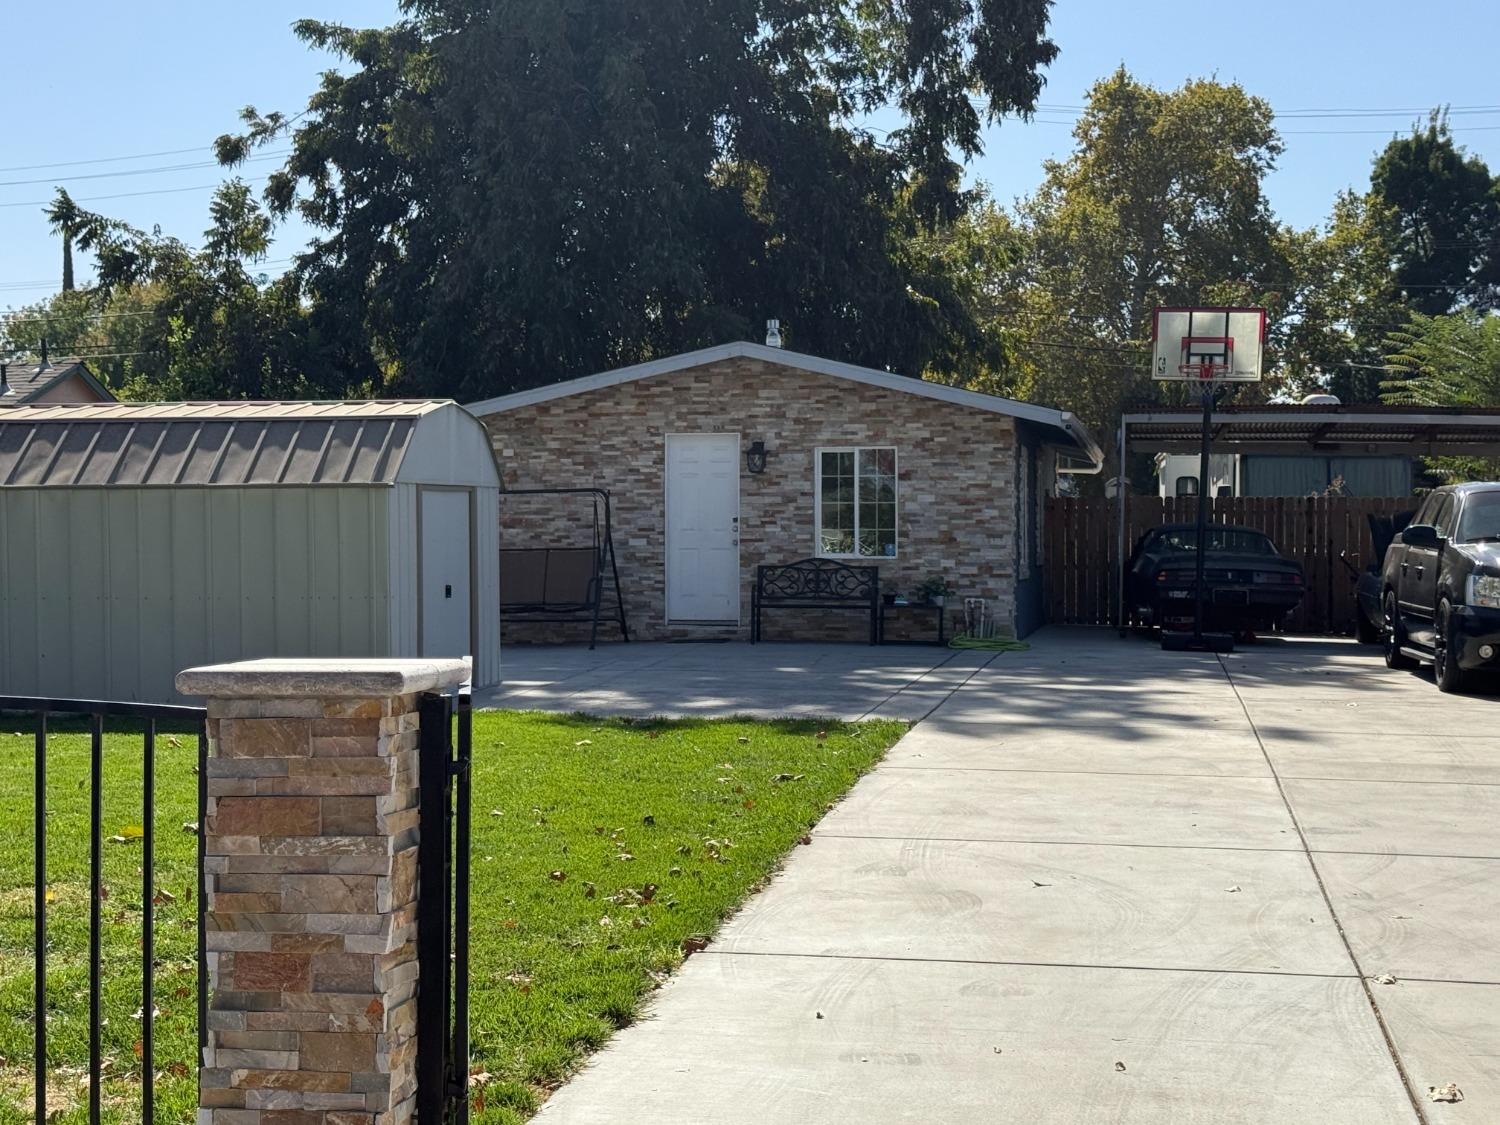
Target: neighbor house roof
(225, 444)
(1069, 431)
(25, 382)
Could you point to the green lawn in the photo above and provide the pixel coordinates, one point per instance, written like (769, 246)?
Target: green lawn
(600, 848)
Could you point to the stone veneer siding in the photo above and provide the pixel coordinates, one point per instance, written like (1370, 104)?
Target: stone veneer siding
(311, 842)
(956, 487)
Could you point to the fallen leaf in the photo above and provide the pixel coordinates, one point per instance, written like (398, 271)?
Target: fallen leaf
(805, 840)
(1119, 1066)
(161, 898)
(1448, 1093)
(479, 1078)
(1385, 978)
(638, 922)
(496, 812)
(605, 922)
(558, 876)
(1034, 883)
(675, 871)
(695, 944)
(190, 827)
(589, 890)
(1234, 890)
(789, 777)
(820, 1015)
(742, 740)
(584, 742)
(50, 897)
(648, 820)
(822, 736)
(998, 1051)
(133, 832)
(749, 805)
(625, 857)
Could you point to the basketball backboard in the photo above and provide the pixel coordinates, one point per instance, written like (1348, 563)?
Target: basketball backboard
(1221, 344)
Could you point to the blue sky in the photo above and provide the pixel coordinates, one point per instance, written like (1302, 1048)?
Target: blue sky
(158, 77)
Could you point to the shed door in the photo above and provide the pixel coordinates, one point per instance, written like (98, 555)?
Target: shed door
(703, 528)
(444, 572)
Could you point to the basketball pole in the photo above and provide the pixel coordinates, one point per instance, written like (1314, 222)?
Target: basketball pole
(1205, 485)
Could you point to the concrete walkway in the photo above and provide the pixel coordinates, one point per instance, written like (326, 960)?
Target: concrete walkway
(760, 681)
(1102, 883)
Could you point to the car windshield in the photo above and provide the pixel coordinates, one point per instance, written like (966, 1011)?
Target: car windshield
(1219, 539)
(1481, 519)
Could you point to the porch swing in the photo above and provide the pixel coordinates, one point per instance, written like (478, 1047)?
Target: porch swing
(545, 585)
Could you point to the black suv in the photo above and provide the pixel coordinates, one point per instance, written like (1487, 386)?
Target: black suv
(1441, 585)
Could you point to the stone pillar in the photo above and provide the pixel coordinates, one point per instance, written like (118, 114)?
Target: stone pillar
(311, 878)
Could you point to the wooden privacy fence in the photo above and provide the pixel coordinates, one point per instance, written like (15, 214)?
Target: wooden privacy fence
(1082, 561)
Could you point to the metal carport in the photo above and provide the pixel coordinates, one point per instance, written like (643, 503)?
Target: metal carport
(1346, 430)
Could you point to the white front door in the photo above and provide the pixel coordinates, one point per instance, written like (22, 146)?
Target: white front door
(444, 573)
(703, 528)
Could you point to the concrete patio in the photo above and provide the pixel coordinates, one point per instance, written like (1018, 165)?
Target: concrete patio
(1102, 883)
(762, 681)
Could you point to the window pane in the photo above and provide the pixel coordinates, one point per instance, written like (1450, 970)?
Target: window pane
(867, 542)
(885, 542)
(838, 542)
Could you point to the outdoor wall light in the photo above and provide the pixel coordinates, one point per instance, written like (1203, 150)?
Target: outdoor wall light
(755, 457)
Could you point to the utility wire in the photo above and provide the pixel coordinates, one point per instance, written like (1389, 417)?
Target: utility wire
(131, 194)
(144, 171)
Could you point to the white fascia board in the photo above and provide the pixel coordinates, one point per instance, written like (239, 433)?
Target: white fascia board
(1076, 432)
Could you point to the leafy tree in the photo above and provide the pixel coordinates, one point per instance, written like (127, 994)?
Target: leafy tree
(1446, 210)
(1344, 302)
(512, 192)
(1161, 203)
(1448, 361)
(171, 322)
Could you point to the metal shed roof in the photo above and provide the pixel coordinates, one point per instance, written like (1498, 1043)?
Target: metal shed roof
(1332, 430)
(208, 444)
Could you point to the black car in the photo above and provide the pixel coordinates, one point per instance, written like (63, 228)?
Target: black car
(1441, 585)
(1248, 586)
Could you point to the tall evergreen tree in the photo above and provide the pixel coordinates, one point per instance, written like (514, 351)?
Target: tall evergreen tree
(511, 192)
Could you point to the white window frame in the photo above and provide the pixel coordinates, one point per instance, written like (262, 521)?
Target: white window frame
(818, 551)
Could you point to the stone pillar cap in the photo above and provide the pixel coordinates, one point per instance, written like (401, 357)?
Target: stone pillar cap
(334, 678)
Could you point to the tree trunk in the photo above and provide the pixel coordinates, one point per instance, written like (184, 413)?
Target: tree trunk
(67, 261)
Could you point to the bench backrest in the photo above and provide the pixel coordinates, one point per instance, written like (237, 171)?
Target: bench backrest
(818, 580)
(548, 576)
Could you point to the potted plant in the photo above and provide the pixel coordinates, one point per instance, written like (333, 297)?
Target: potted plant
(935, 590)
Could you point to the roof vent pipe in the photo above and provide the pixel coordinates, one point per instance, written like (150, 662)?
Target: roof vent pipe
(773, 333)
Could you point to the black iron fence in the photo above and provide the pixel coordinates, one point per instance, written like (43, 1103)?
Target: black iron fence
(443, 912)
(97, 714)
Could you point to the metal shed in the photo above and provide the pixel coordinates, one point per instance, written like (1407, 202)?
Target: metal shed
(138, 540)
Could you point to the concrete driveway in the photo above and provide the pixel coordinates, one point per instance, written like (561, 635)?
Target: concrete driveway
(1103, 883)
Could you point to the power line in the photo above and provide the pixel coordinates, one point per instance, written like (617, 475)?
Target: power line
(103, 159)
(130, 194)
(144, 171)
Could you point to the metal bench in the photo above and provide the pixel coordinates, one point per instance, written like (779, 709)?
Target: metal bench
(816, 584)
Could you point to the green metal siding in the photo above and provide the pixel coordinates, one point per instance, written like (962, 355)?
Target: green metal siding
(110, 592)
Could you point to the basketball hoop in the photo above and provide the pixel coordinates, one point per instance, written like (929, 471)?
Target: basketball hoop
(1203, 372)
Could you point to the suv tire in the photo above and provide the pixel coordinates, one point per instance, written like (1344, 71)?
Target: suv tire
(1445, 670)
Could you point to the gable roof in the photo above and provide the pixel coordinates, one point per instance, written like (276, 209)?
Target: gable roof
(27, 381)
(198, 444)
(1070, 433)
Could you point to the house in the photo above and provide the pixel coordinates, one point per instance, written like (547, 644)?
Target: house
(137, 540)
(723, 459)
(63, 380)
